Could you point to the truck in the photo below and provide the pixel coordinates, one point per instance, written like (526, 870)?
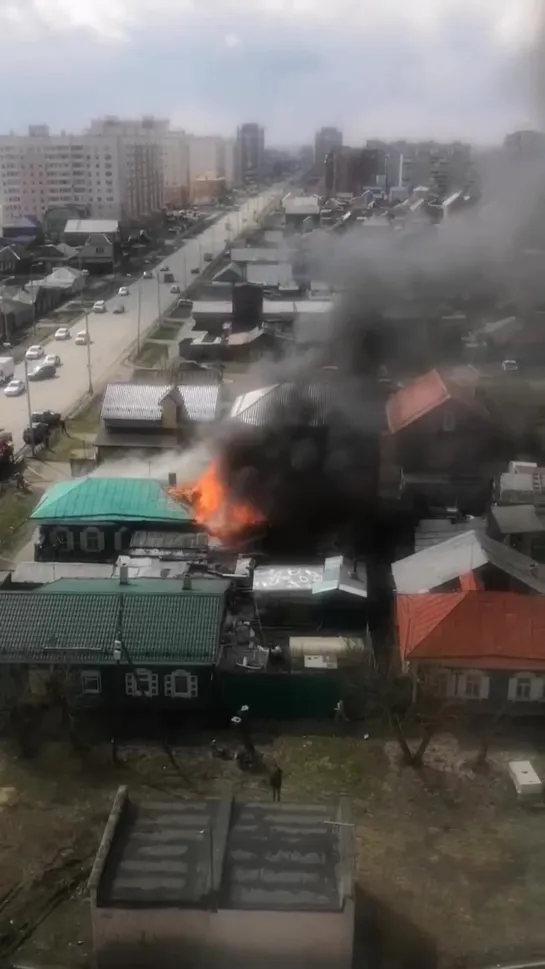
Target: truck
(7, 369)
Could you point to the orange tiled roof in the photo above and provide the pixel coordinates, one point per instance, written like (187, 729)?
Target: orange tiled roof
(488, 630)
(422, 396)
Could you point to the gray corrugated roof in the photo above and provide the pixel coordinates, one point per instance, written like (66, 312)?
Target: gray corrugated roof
(142, 402)
(433, 531)
(517, 519)
(434, 566)
(288, 400)
(88, 226)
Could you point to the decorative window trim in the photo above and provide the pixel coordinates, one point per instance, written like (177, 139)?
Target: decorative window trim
(63, 531)
(98, 533)
(118, 537)
(191, 688)
(91, 682)
(142, 683)
(536, 687)
(477, 676)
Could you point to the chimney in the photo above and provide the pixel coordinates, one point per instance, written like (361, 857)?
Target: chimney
(186, 584)
(123, 575)
(172, 479)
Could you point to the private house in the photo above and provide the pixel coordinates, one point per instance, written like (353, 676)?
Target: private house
(482, 648)
(93, 519)
(153, 417)
(98, 242)
(50, 257)
(126, 643)
(216, 884)
(439, 426)
(521, 527)
(15, 260)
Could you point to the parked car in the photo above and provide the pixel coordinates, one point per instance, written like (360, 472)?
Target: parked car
(82, 338)
(175, 290)
(123, 291)
(510, 365)
(36, 433)
(15, 388)
(147, 274)
(208, 256)
(99, 306)
(50, 417)
(118, 308)
(63, 333)
(165, 269)
(34, 352)
(53, 359)
(44, 371)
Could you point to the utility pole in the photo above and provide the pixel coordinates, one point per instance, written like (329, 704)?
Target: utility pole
(88, 348)
(159, 311)
(29, 407)
(138, 320)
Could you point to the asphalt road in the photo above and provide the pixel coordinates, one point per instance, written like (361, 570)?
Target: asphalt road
(113, 334)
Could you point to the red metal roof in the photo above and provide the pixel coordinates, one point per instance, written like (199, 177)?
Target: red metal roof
(485, 630)
(423, 395)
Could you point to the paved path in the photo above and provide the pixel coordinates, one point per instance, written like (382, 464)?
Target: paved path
(111, 334)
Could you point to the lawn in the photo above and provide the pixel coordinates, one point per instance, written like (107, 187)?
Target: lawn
(15, 507)
(81, 431)
(447, 860)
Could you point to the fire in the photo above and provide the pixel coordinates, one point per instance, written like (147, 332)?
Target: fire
(213, 506)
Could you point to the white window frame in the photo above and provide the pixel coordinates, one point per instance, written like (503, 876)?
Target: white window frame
(536, 692)
(472, 676)
(62, 531)
(192, 685)
(142, 683)
(96, 533)
(91, 682)
(119, 536)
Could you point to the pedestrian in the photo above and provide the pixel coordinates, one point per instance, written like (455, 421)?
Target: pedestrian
(340, 716)
(275, 780)
(63, 427)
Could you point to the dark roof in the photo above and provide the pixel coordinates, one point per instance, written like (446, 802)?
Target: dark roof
(81, 627)
(433, 531)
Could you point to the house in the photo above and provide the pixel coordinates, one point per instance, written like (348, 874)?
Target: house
(15, 260)
(98, 241)
(485, 648)
(77, 231)
(259, 256)
(98, 251)
(154, 417)
(65, 279)
(93, 519)
(521, 527)
(272, 275)
(439, 426)
(216, 884)
(26, 229)
(124, 641)
(469, 560)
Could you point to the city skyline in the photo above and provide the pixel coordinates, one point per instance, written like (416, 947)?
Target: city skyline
(293, 67)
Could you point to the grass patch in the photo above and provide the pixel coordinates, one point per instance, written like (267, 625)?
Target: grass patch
(15, 507)
(83, 426)
(151, 354)
(166, 331)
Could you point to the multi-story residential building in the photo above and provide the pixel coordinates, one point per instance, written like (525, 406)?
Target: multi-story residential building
(176, 168)
(443, 167)
(327, 140)
(114, 170)
(250, 151)
(206, 156)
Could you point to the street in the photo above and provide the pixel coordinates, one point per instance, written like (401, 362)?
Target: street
(113, 334)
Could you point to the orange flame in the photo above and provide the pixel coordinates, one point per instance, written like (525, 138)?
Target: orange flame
(214, 508)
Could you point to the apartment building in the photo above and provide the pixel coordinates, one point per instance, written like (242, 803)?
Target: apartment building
(326, 140)
(175, 168)
(250, 152)
(206, 156)
(115, 169)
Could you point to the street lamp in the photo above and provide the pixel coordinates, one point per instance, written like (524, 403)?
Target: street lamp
(29, 407)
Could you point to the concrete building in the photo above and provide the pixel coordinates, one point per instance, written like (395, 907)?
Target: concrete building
(176, 168)
(114, 170)
(409, 164)
(207, 189)
(352, 170)
(326, 141)
(206, 156)
(250, 151)
(217, 884)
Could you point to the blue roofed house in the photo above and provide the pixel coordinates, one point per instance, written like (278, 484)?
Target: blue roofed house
(93, 519)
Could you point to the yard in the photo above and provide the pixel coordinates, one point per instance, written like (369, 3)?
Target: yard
(447, 860)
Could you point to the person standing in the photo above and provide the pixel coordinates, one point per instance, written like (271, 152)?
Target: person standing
(275, 780)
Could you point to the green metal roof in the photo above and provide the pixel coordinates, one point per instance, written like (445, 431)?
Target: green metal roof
(109, 500)
(153, 586)
(80, 628)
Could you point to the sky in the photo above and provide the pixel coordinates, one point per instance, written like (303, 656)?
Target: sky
(376, 68)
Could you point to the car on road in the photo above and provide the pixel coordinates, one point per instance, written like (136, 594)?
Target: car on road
(15, 388)
(123, 291)
(99, 306)
(175, 290)
(63, 333)
(509, 365)
(34, 352)
(118, 308)
(44, 371)
(147, 274)
(36, 433)
(82, 338)
(53, 359)
(50, 417)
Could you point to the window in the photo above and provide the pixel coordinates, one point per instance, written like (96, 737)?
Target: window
(99, 249)
(91, 681)
(473, 686)
(62, 539)
(141, 683)
(523, 688)
(182, 684)
(449, 421)
(92, 540)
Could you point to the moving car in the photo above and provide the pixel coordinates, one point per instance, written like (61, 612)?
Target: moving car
(36, 433)
(53, 359)
(123, 291)
(50, 417)
(63, 333)
(99, 306)
(44, 371)
(118, 308)
(147, 274)
(34, 352)
(175, 289)
(15, 388)
(82, 338)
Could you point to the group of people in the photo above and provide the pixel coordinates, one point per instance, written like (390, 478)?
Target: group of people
(246, 756)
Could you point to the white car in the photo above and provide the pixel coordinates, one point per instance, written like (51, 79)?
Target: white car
(81, 338)
(52, 359)
(118, 308)
(15, 388)
(123, 291)
(147, 274)
(98, 307)
(175, 289)
(63, 333)
(34, 352)
(510, 365)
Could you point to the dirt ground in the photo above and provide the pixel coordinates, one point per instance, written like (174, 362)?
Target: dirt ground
(451, 870)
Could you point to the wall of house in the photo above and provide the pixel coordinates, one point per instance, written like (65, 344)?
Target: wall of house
(171, 938)
(522, 691)
(451, 438)
(63, 543)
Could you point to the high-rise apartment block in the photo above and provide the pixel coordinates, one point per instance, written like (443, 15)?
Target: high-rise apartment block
(327, 140)
(250, 153)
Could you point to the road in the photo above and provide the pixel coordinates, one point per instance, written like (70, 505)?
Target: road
(113, 334)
